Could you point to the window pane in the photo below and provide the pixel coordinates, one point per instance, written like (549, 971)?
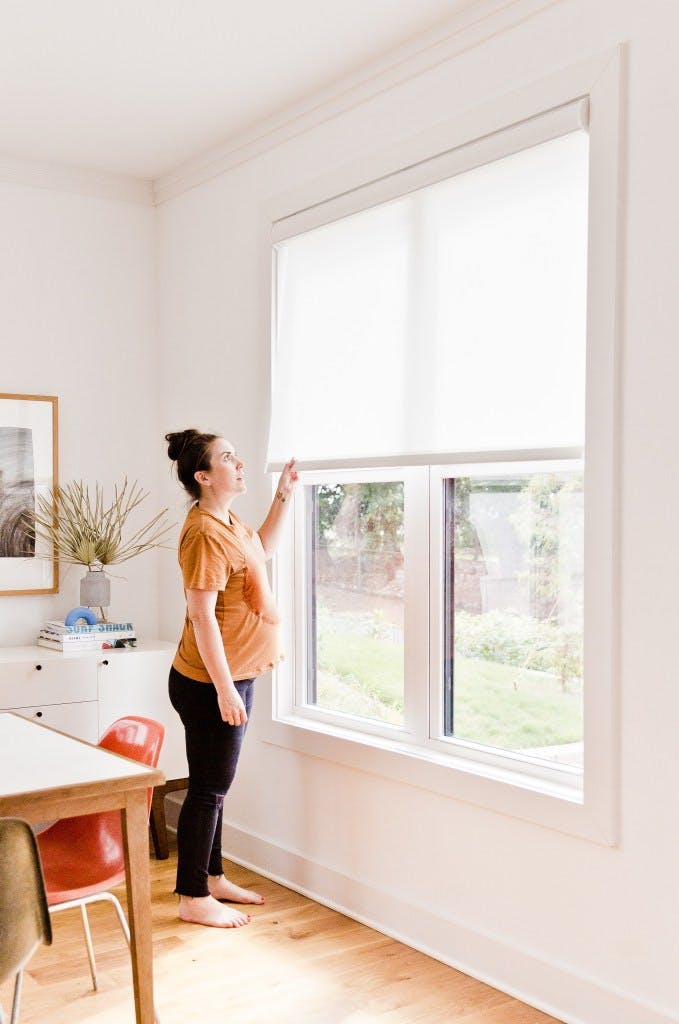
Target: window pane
(514, 613)
(355, 653)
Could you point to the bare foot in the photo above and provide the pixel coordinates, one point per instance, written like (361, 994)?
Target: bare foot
(206, 910)
(222, 889)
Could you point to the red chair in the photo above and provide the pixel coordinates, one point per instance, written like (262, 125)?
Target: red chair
(82, 858)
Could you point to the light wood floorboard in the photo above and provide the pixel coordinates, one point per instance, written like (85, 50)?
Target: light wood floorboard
(296, 963)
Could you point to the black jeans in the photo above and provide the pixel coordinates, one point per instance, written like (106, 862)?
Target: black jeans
(212, 749)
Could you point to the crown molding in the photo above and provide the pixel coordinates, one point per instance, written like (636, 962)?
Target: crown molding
(77, 180)
(476, 24)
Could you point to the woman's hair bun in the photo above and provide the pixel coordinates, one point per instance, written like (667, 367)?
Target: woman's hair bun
(190, 449)
(178, 442)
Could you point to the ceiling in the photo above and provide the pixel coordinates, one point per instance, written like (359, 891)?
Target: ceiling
(138, 87)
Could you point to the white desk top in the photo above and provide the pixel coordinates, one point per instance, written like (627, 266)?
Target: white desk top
(33, 757)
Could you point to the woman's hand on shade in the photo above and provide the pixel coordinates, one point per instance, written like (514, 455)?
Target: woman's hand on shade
(288, 480)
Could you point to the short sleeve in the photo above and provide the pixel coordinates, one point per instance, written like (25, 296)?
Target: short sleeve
(204, 562)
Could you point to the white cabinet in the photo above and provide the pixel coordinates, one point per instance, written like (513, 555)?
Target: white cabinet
(84, 692)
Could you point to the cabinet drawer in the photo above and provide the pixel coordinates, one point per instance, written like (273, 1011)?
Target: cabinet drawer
(47, 680)
(79, 719)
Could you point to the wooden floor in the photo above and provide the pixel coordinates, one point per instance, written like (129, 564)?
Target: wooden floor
(296, 963)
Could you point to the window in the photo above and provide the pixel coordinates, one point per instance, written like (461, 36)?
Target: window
(451, 564)
(442, 606)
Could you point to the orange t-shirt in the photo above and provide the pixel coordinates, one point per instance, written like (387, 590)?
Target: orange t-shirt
(229, 559)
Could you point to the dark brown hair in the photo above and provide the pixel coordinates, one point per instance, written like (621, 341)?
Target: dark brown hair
(190, 449)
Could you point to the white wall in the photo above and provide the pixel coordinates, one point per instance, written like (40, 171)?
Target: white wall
(78, 320)
(590, 931)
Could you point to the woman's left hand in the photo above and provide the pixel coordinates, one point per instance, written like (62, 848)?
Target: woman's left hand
(287, 481)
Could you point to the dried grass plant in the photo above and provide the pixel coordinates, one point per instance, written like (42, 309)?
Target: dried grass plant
(84, 530)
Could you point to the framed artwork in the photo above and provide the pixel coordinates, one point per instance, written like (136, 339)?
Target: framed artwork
(28, 468)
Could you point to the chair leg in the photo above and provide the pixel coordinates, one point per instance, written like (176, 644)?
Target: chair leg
(82, 903)
(90, 947)
(158, 824)
(18, 982)
(119, 911)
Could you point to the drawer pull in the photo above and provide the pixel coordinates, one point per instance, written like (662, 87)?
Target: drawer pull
(38, 668)
(38, 714)
(105, 661)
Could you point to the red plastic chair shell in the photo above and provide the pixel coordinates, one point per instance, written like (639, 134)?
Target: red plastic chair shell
(84, 855)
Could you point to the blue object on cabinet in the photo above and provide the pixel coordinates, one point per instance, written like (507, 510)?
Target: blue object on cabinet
(76, 614)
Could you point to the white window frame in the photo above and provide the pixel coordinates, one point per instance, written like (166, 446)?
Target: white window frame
(459, 771)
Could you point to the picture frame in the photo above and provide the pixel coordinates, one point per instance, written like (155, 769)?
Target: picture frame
(28, 468)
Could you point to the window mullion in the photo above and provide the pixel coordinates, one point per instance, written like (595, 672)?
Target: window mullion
(416, 617)
(436, 592)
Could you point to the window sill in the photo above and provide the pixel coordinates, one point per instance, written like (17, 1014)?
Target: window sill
(551, 804)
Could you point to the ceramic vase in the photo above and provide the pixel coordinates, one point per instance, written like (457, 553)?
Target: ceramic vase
(95, 588)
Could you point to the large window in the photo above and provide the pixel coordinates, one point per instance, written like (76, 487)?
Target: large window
(429, 369)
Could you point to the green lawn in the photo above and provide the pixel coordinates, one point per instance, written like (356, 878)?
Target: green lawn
(489, 709)
(375, 665)
(494, 704)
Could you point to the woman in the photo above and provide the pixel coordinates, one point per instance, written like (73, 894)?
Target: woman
(230, 636)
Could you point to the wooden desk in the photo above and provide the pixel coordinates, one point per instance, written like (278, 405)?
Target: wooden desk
(45, 774)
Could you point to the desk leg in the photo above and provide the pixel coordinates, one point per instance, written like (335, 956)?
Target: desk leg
(135, 837)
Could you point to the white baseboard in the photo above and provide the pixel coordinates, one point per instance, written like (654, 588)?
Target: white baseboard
(555, 988)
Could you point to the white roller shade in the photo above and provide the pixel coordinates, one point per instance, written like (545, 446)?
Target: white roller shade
(446, 318)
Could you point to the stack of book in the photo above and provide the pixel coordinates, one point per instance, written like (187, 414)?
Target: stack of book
(102, 635)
